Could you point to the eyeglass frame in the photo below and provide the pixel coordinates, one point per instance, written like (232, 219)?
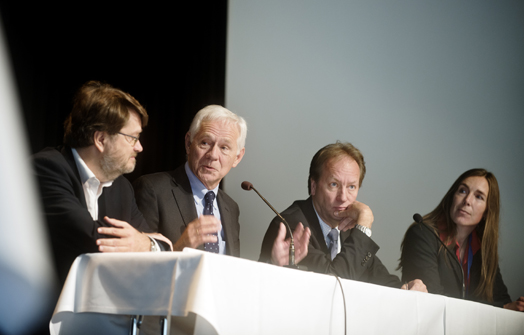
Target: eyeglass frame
(133, 139)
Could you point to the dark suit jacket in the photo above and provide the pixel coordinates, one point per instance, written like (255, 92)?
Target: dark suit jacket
(166, 200)
(71, 228)
(423, 258)
(356, 259)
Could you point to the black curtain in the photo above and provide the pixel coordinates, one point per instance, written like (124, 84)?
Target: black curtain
(171, 58)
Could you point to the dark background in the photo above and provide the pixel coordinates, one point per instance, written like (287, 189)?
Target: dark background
(172, 60)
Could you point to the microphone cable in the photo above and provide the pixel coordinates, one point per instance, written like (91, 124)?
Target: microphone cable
(343, 300)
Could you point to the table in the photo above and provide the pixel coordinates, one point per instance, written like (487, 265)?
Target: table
(216, 294)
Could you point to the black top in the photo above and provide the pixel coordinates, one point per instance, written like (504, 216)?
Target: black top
(423, 258)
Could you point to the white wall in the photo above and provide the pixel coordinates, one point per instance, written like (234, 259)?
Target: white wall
(426, 90)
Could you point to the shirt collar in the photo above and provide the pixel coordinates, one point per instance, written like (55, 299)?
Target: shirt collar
(84, 171)
(324, 226)
(198, 189)
(475, 241)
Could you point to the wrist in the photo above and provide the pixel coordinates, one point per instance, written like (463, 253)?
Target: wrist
(153, 245)
(364, 229)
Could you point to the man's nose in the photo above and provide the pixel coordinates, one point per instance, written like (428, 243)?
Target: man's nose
(212, 153)
(138, 146)
(343, 194)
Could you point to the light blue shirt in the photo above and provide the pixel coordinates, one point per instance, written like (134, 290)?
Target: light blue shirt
(325, 231)
(199, 191)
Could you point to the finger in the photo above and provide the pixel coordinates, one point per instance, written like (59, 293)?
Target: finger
(343, 214)
(118, 232)
(347, 224)
(305, 237)
(281, 232)
(115, 222)
(105, 244)
(299, 231)
(209, 238)
(208, 224)
(105, 248)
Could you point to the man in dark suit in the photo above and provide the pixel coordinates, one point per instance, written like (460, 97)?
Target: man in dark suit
(88, 205)
(187, 206)
(174, 202)
(340, 225)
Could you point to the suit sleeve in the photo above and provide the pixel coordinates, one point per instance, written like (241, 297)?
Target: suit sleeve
(419, 258)
(356, 260)
(68, 219)
(500, 291)
(71, 228)
(147, 202)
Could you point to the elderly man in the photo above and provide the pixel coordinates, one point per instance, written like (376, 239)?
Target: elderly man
(340, 225)
(186, 204)
(88, 204)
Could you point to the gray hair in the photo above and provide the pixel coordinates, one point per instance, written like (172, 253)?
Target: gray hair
(216, 112)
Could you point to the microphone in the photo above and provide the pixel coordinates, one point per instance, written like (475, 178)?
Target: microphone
(248, 187)
(418, 219)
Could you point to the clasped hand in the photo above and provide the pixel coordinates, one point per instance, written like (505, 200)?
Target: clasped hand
(127, 238)
(356, 213)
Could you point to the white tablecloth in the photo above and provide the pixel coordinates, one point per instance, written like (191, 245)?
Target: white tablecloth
(208, 293)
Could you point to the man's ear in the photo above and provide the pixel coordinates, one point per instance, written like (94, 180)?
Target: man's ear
(100, 139)
(188, 142)
(239, 157)
(313, 186)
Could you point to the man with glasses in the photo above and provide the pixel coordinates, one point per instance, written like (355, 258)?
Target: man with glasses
(88, 204)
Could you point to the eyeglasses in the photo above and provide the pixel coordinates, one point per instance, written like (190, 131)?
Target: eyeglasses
(131, 139)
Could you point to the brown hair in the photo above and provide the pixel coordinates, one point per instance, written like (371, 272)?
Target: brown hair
(334, 150)
(487, 228)
(99, 107)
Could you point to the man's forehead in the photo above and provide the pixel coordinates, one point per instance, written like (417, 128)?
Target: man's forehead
(219, 128)
(342, 166)
(134, 122)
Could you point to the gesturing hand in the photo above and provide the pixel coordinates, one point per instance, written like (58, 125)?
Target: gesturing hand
(280, 251)
(198, 232)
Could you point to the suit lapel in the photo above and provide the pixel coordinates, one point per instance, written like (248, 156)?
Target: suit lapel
(183, 195)
(314, 224)
(225, 218)
(68, 155)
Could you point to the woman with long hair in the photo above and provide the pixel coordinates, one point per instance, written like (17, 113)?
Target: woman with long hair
(467, 223)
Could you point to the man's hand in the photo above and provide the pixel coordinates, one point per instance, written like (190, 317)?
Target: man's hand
(280, 251)
(517, 305)
(199, 232)
(127, 238)
(357, 213)
(415, 285)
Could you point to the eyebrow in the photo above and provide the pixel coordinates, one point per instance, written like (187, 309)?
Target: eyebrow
(477, 191)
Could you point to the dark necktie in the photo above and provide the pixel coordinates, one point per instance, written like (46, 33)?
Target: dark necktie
(333, 243)
(208, 210)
